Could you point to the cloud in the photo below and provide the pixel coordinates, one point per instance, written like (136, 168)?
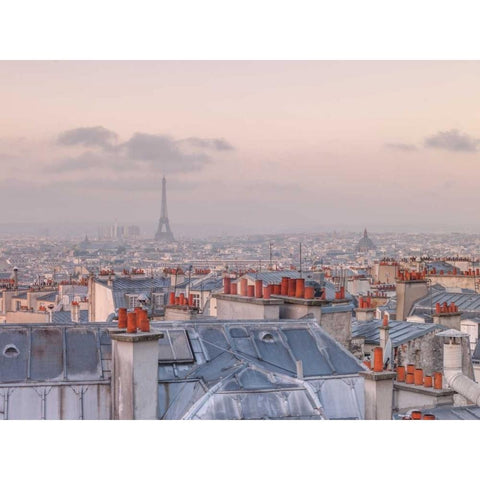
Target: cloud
(454, 141)
(160, 152)
(88, 137)
(403, 147)
(218, 144)
(143, 151)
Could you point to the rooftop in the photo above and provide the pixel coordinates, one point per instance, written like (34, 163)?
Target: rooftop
(400, 332)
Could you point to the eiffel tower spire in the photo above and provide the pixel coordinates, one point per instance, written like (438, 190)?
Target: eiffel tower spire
(167, 235)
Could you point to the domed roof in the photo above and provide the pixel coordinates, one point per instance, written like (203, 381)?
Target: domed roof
(365, 244)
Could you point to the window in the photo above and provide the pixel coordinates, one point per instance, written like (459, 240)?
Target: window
(158, 300)
(132, 301)
(196, 300)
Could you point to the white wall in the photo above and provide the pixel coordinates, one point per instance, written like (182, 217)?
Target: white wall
(55, 402)
(103, 302)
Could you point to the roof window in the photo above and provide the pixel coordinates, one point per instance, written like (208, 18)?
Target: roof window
(11, 351)
(266, 337)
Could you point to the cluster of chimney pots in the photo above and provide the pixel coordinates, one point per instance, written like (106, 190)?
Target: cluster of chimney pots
(133, 321)
(433, 271)
(290, 287)
(409, 276)
(409, 375)
(364, 302)
(446, 308)
(180, 300)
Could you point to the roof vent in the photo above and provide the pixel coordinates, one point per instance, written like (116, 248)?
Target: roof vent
(11, 351)
(266, 337)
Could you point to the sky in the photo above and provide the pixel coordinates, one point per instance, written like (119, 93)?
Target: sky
(258, 146)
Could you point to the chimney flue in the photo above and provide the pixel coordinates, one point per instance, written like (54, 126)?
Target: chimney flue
(378, 359)
(131, 322)
(258, 288)
(227, 285)
(122, 317)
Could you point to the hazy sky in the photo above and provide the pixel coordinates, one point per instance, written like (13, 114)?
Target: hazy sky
(266, 145)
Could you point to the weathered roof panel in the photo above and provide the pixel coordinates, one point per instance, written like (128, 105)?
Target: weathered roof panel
(54, 353)
(247, 370)
(400, 331)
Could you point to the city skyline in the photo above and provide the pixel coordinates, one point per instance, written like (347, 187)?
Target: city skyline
(260, 146)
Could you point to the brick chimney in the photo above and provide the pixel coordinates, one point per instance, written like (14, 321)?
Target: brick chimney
(365, 311)
(135, 375)
(447, 315)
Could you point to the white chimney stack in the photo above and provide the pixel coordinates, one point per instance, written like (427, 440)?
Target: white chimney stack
(75, 312)
(135, 375)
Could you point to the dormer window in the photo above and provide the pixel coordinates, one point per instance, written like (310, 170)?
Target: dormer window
(11, 351)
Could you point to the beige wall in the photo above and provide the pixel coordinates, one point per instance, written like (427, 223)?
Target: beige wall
(407, 294)
(455, 281)
(237, 310)
(26, 317)
(385, 273)
(294, 311)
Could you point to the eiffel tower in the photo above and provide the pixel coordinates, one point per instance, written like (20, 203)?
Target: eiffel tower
(167, 235)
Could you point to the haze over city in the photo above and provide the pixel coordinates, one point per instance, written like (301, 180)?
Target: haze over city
(246, 146)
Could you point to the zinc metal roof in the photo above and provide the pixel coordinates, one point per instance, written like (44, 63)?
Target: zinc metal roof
(466, 301)
(207, 369)
(135, 286)
(455, 413)
(207, 284)
(440, 265)
(247, 370)
(48, 297)
(400, 332)
(275, 277)
(476, 353)
(53, 353)
(65, 316)
(129, 284)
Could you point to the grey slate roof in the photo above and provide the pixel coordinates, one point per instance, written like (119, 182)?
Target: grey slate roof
(53, 353)
(330, 289)
(207, 284)
(207, 369)
(48, 297)
(476, 353)
(400, 332)
(466, 301)
(440, 265)
(125, 285)
(129, 284)
(247, 370)
(275, 277)
(64, 316)
(455, 413)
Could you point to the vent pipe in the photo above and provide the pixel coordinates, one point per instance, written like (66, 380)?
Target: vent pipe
(452, 367)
